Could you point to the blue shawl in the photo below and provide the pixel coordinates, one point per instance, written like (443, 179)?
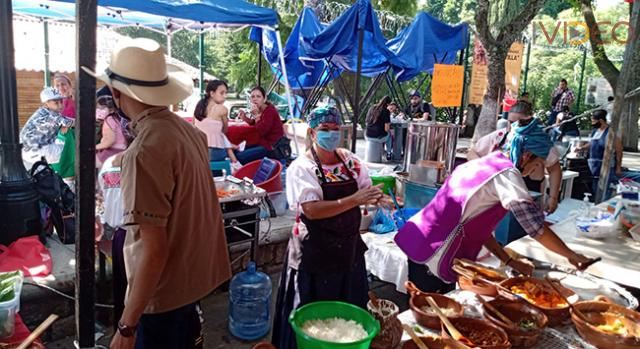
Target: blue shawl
(530, 138)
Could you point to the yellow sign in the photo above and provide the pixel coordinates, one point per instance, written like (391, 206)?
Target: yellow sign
(479, 80)
(446, 86)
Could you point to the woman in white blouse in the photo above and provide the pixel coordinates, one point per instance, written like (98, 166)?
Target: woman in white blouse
(326, 186)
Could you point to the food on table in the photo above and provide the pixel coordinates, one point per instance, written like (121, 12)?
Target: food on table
(226, 193)
(480, 337)
(335, 330)
(538, 295)
(527, 325)
(482, 271)
(448, 312)
(617, 327)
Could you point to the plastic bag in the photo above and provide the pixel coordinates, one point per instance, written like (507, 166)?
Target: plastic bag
(28, 255)
(403, 215)
(382, 222)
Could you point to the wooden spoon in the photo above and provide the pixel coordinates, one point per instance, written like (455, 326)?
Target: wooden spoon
(38, 331)
(497, 312)
(455, 334)
(414, 337)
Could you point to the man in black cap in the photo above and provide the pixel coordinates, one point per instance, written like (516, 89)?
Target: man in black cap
(417, 109)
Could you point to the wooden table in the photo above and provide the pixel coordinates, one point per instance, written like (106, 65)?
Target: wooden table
(620, 255)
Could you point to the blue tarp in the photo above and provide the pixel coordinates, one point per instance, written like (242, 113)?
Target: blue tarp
(339, 42)
(425, 42)
(225, 12)
(302, 74)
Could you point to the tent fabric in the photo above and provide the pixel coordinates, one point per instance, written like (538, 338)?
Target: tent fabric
(301, 74)
(427, 41)
(224, 12)
(339, 42)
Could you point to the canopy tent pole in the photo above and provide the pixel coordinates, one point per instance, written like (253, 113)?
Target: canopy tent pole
(454, 113)
(259, 59)
(288, 89)
(582, 68)
(85, 167)
(526, 67)
(169, 48)
(47, 73)
(356, 102)
(465, 62)
(201, 56)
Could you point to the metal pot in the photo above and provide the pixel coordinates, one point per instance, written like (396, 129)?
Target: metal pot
(574, 144)
(430, 151)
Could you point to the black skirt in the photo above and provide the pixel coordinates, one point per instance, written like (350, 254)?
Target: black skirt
(298, 288)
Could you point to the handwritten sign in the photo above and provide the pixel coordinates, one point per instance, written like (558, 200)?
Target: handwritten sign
(446, 87)
(479, 80)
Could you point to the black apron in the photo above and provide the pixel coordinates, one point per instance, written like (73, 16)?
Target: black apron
(332, 244)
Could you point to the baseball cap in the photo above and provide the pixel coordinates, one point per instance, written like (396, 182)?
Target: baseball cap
(416, 93)
(49, 94)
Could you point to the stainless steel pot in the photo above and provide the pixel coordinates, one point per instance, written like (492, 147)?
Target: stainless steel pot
(430, 151)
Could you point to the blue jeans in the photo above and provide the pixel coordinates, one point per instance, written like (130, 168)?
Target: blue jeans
(217, 154)
(253, 153)
(552, 117)
(175, 329)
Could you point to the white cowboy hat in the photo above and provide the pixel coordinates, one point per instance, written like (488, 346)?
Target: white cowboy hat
(139, 70)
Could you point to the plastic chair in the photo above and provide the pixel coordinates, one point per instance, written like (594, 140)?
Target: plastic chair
(218, 166)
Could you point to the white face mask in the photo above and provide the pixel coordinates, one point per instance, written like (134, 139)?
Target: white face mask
(102, 113)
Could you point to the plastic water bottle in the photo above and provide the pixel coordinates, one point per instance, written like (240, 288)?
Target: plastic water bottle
(587, 205)
(249, 304)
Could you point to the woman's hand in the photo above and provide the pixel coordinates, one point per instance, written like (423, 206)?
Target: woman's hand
(523, 268)
(368, 196)
(552, 204)
(581, 262)
(242, 114)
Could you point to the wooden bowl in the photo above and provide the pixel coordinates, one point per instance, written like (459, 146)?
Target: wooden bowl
(517, 311)
(597, 337)
(470, 328)
(431, 343)
(419, 299)
(478, 287)
(557, 315)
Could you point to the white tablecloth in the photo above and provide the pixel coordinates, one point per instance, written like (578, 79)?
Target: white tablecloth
(385, 260)
(620, 255)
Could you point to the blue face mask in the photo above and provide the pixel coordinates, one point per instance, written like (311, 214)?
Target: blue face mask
(328, 140)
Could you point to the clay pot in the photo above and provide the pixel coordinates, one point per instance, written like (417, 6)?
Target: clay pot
(516, 312)
(430, 342)
(466, 325)
(419, 299)
(600, 339)
(264, 345)
(390, 327)
(556, 316)
(478, 287)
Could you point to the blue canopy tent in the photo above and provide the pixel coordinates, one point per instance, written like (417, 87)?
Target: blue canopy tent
(302, 75)
(425, 42)
(159, 15)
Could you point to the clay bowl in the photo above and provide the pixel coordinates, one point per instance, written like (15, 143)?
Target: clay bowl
(593, 311)
(471, 327)
(264, 345)
(556, 316)
(517, 311)
(478, 287)
(419, 299)
(430, 342)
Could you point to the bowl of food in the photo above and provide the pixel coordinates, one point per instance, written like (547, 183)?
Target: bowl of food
(529, 321)
(542, 296)
(481, 333)
(431, 343)
(477, 285)
(422, 311)
(609, 325)
(330, 324)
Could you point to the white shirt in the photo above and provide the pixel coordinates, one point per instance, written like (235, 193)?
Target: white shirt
(109, 184)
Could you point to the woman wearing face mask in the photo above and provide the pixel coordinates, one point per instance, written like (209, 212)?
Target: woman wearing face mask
(596, 150)
(325, 257)
(264, 116)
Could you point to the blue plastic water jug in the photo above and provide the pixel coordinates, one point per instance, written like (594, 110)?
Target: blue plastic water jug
(249, 304)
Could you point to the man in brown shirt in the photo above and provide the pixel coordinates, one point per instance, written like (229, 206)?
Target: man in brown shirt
(175, 249)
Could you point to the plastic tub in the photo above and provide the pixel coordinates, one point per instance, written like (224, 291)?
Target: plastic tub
(8, 311)
(272, 184)
(327, 310)
(388, 182)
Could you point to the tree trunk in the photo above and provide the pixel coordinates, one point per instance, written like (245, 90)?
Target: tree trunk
(600, 58)
(495, 91)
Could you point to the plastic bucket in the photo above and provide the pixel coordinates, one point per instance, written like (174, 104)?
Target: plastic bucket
(327, 310)
(272, 184)
(388, 182)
